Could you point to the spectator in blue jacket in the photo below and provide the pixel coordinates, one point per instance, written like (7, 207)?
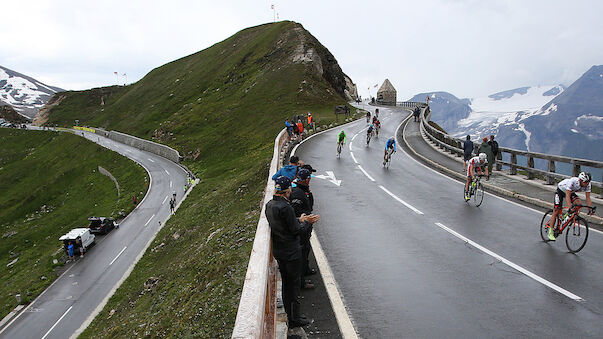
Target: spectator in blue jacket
(289, 128)
(289, 171)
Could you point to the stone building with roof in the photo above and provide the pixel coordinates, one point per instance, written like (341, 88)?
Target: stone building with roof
(386, 94)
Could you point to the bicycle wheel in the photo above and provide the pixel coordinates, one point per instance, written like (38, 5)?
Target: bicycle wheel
(338, 149)
(576, 235)
(368, 139)
(478, 195)
(544, 230)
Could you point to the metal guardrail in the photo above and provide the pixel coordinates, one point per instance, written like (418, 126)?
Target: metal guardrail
(256, 316)
(454, 146)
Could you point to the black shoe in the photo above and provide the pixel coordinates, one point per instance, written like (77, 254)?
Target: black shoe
(300, 322)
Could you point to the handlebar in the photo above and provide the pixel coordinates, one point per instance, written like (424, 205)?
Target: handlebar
(576, 208)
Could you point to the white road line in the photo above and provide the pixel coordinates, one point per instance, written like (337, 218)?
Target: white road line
(55, 324)
(354, 137)
(367, 175)
(511, 264)
(341, 315)
(168, 173)
(170, 184)
(148, 221)
(350, 145)
(353, 157)
(400, 200)
(151, 160)
(122, 251)
(164, 200)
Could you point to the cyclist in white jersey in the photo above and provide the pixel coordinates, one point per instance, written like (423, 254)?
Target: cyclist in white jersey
(474, 166)
(566, 189)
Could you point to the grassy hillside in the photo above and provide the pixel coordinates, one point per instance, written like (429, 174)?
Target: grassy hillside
(221, 108)
(50, 183)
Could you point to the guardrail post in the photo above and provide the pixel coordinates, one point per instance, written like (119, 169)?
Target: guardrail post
(576, 170)
(530, 165)
(550, 180)
(498, 164)
(513, 170)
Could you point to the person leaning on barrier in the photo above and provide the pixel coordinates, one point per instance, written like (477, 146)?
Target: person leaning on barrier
(302, 201)
(289, 171)
(285, 230)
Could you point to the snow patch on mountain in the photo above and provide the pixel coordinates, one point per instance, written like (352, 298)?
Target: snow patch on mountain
(25, 94)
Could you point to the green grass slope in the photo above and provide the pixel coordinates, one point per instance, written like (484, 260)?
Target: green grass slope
(50, 184)
(221, 108)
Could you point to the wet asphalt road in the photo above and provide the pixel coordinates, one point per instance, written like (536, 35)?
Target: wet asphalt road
(72, 298)
(408, 270)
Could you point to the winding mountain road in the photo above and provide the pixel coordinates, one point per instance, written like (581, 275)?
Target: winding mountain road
(69, 303)
(412, 259)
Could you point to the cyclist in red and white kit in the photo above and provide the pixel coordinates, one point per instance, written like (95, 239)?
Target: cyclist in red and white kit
(566, 189)
(474, 166)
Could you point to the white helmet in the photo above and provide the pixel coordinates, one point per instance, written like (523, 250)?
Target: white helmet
(482, 157)
(584, 176)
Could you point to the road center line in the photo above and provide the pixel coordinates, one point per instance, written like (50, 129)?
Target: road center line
(350, 145)
(170, 184)
(148, 221)
(367, 175)
(354, 137)
(353, 157)
(122, 251)
(55, 324)
(151, 160)
(400, 200)
(511, 264)
(164, 200)
(168, 173)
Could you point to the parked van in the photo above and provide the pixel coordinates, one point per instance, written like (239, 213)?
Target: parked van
(81, 238)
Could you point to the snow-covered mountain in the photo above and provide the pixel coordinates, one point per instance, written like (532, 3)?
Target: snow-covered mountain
(546, 119)
(24, 94)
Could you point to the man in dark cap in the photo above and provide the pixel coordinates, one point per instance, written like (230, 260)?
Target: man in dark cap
(286, 229)
(302, 202)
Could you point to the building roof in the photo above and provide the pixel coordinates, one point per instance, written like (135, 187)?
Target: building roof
(386, 87)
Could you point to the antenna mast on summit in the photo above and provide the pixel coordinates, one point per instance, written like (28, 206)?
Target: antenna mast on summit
(273, 12)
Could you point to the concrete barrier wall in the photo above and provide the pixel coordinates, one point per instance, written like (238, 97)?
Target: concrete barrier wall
(145, 145)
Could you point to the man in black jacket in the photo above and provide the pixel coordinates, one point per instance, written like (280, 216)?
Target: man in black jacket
(286, 229)
(302, 202)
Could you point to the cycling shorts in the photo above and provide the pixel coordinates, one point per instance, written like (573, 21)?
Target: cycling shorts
(476, 170)
(560, 195)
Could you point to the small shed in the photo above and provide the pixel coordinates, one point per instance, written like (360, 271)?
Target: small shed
(386, 94)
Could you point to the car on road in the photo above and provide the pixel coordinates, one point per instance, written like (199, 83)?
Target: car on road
(101, 225)
(81, 238)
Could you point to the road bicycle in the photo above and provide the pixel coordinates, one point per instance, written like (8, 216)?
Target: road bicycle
(476, 191)
(377, 127)
(577, 227)
(388, 158)
(339, 147)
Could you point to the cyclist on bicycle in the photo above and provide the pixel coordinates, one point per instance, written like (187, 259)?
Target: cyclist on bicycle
(370, 129)
(368, 117)
(390, 146)
(474, 166)
(566, 189)
(377, 124)
(341, 138)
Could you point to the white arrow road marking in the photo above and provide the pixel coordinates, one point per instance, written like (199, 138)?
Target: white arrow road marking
(367, 175)
(122, 251)
(511, 264)
(330, 176)
(55, 324)
(148, 221)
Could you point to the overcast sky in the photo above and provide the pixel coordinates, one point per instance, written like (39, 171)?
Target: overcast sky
(470, 48)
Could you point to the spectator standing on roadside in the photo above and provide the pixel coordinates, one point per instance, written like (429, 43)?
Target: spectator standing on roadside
(302, 201)
(494, 146)
(467, 151)
(289, 171)
(70, 249)
(295, 131)
(485, 148)
(310, 121)
(134, 200)
(172, 205)
(289, 128)
(285, 231)
(300, 127)
(415, 114)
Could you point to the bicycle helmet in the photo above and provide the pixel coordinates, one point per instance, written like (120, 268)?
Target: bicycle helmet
(482, 157)
(585, 176)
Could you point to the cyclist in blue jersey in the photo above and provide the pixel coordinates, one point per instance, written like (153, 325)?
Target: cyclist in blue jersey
(390, 146)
